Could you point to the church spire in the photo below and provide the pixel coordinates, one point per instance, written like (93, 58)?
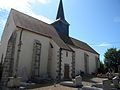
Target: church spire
(60, 13)
(60, 24)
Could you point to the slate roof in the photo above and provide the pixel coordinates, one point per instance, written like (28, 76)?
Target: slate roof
(34, 25)
(37, 26)
(76, 43)
(83, 46)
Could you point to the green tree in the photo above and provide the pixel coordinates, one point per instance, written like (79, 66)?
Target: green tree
(102, 68)
(112, 58)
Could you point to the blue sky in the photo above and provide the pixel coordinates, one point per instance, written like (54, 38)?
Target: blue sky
(96, 22)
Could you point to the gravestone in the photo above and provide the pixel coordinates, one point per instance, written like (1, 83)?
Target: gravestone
(106, 84)
(115, 81)
(14, 82)
(110, 73)
(78, 80)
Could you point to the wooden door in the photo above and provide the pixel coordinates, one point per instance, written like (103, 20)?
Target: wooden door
(66, 71)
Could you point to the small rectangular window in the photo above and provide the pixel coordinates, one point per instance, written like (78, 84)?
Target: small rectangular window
(66, 54)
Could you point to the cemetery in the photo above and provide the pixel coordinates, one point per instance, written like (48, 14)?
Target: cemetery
(87, 82)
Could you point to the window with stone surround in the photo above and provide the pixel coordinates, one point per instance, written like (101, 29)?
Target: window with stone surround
(36, 58)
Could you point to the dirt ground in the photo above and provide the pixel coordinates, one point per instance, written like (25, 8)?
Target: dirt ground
(58, 87)
(87, 81)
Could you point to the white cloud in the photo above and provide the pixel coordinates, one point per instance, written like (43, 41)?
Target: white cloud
(43, 1)
(24, 6)
(104, 45)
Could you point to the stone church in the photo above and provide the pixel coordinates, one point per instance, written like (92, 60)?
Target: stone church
(33, 49)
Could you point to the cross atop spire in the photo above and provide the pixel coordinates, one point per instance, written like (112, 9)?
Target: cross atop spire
(60, 13)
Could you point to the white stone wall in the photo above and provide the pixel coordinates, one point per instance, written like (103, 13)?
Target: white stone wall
(55, 51)
(8, 30)
(66, 60)
(80, 63)
(25, 59)
(92, 62)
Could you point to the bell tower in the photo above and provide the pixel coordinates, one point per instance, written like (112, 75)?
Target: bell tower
(60, 24)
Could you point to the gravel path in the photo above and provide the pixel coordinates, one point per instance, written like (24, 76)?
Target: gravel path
(88, 81)
(58, 87)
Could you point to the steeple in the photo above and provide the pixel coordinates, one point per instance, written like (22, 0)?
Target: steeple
(60, 13)
(61, 25)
